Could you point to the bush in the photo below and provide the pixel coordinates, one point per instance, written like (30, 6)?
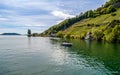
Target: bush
(83, 34)
(75, 36)
(116, 32)
(113, 23)
(110, 37)
(97, 34)
(106, 34)
(67, 36)
(112, 34)
(60, 34)
(113, 14)
(35, 34)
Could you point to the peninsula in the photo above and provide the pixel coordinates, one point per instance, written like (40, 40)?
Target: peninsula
(10, 34)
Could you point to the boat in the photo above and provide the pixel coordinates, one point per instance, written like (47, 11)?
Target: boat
(66, 44)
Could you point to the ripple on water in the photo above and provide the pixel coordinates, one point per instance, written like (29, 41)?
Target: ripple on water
(41, 56)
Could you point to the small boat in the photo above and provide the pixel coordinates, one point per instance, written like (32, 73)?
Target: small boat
(66, 44)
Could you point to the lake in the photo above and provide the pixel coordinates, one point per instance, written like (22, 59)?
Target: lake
(20, 55)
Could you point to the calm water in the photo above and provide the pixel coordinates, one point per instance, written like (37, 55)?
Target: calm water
(42, 56)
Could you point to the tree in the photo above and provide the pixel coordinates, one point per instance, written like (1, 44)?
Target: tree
(90, 13)
(110, 9)
(111, 2)
(29, 33)
(114, 1)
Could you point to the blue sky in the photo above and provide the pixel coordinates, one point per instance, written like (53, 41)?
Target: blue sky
(39, 15)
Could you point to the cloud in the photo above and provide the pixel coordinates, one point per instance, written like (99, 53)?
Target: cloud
(39, 15)
(62, 15)
(3, 19)
(33, 20)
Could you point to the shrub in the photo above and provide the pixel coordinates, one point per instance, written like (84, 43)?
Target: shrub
(67, 36)
(97, 34)
(113, 14)
(60, 34)
(116, 32)
(106, 34)
(110, 37)
(83, 34)
(112, 34)
(113, 23)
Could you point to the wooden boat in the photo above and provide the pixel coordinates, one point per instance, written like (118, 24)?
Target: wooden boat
(66, 44)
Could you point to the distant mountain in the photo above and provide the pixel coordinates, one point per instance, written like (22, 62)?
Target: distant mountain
(10, 34)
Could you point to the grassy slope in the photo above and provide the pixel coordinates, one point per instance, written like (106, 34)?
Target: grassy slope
(81, 26)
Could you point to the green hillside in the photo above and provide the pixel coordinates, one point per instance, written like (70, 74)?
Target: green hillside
(86, 25)
(103, 24)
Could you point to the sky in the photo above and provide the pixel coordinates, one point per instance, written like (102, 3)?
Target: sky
(38, 15)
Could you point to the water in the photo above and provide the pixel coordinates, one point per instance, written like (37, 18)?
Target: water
(20, 55)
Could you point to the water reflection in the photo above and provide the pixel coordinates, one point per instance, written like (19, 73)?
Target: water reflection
(42, 56)
(79, 58)
(88, 43)
(29, 42)
(105, 54)
(101, 56)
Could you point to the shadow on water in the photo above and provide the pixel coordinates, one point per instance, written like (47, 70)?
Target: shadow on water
(29, 42)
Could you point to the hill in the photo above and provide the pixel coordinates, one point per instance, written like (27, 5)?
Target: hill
(103, 24)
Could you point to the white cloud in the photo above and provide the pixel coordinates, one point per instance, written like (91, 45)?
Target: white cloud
(33, 20)
(31, 4)
(62, 15)
(3, 19)
(43, 13)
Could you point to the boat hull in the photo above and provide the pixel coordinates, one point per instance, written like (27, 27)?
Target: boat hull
(67, 44)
